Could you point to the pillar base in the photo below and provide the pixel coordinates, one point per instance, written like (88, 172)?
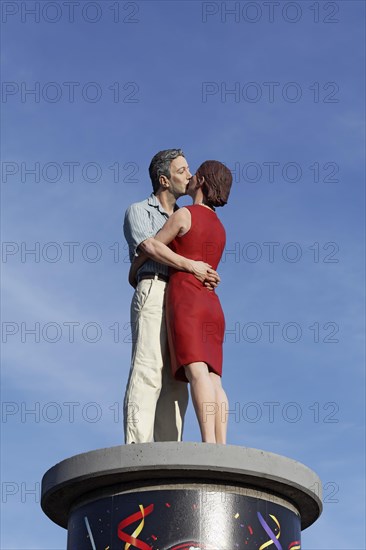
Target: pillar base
(167, 496)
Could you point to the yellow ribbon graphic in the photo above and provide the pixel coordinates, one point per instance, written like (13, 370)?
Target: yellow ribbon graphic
(139, 528)
(269, 542)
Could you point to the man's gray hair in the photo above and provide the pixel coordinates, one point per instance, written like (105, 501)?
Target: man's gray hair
(160, 165)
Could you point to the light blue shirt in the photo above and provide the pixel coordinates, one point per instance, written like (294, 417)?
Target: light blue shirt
(142, 221)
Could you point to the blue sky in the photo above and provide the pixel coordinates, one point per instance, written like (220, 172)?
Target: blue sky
(276, 95)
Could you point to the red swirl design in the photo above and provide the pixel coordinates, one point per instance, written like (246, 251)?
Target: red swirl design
(130, 539)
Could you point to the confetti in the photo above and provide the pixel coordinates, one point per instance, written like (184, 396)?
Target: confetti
(236, 515)
(295, 545)
(250, 529)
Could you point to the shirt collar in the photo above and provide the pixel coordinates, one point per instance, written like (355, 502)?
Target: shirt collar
(153, 201)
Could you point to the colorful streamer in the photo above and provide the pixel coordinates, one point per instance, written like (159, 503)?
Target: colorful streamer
(295, 545)
(270, 533)
(89, 532)
(132, 539)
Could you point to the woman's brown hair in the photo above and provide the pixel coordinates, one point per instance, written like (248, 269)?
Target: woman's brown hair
(217, 182)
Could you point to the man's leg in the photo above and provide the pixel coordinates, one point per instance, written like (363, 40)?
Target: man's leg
(144, 384)
(173, 400)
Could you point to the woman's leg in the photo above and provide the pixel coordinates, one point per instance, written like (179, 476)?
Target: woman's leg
(222, 408)
(204, 399)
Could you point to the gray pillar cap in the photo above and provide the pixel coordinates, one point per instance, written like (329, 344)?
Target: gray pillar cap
(67, 481)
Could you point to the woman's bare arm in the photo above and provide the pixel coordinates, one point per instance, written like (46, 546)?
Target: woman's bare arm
(151, 248)
(157, 249)
(137, 262)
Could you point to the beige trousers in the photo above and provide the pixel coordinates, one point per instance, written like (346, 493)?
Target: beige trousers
(155, 403)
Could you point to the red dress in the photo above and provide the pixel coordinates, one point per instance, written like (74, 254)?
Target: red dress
(195, 320)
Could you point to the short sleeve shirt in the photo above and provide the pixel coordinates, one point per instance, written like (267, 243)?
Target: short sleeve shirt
(142, 221)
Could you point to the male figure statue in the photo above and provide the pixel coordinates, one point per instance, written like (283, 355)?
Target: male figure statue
(155, 403)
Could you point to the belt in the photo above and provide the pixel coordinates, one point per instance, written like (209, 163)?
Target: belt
(151, 275)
